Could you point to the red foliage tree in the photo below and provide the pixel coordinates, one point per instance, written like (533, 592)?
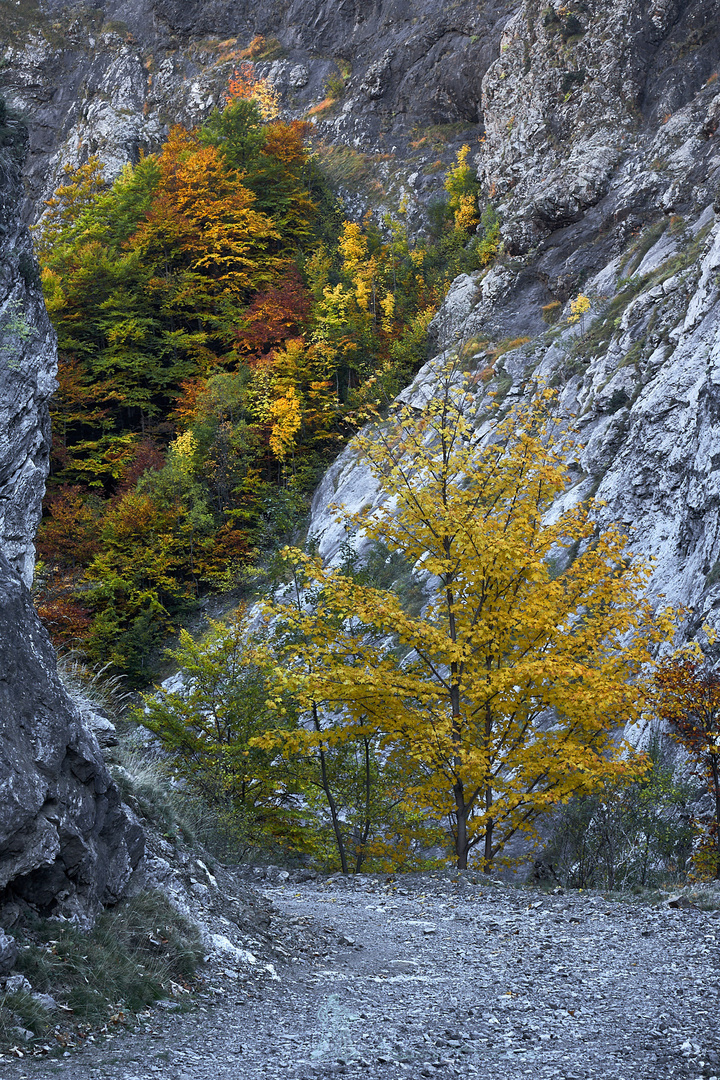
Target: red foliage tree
(688, 700)
(275, 315)
(69, 535)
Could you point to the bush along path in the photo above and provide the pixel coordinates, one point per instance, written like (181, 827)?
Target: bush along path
(440, 976)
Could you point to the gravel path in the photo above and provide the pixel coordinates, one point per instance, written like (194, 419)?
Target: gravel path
(430, 978)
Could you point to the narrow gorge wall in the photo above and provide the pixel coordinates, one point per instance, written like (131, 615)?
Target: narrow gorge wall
(67, 843)
(109, 78)
(594, 129)
(28, 363)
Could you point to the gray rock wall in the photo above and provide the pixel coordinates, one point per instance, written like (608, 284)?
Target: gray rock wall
(28, 362)
(551, 105)
(67, 843)
(111, 78)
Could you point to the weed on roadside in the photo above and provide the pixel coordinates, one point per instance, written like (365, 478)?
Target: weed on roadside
(138, 952)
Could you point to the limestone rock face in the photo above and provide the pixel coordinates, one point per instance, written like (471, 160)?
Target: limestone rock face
(577, 92)
(66, 840)
(110, 78)
(28, 362)
(550, 96)
(67, 843)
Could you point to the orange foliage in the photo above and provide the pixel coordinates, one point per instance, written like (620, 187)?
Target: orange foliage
(203, 222)
(246, 87)
(70, 534)
(186, 405)
(286, 142)
(146, 458)
(279, 313)
(65, 618)
(687, 698)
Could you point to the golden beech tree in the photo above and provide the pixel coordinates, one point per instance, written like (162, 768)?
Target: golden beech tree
(504, 697)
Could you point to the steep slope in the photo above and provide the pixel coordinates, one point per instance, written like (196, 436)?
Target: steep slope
(597, 125)
(110, 78)
(557, 94)
(598, 149)
(640, 372)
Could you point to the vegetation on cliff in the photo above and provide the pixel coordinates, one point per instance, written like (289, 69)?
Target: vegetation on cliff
(222, 330)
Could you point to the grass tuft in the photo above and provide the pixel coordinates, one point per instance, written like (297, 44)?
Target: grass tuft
(137, 953)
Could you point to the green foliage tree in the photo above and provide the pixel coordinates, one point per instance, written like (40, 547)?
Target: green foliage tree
(335, 755)
(622, 836)
(207, 728)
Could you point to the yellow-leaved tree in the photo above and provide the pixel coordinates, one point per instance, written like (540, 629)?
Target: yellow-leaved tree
(504, 697)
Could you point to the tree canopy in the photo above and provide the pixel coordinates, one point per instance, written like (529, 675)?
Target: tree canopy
(214, 290)
(503, 697)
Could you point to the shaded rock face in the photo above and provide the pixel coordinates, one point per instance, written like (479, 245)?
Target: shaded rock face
(550, 98)
(67, 843)
(111, 78)
(27, 367)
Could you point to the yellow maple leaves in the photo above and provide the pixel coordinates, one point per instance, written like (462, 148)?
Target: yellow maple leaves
(503, 697)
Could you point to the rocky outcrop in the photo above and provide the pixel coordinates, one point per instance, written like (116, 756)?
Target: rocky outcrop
(578, 97)
(27, 366)
(552, 96)
(67, 843)
(110, 78)
(607, 182)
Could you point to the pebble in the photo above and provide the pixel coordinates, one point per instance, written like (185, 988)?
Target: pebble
(507, 984)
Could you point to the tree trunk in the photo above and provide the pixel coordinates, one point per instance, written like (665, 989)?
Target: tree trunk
(462, 843)
(330, 798)
(360, 856)
(716, 784)
(488, 853)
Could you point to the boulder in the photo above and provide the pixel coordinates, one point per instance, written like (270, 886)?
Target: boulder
(67, 843)
(8, 953)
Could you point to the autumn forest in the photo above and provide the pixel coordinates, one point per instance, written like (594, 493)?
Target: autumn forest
(222, 330)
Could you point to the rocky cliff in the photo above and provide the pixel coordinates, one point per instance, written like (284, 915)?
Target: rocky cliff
(109, 78)
(27, 366)
(595, 131)
(601, 156)
(66, 841)
(554, 97)
(594, 127)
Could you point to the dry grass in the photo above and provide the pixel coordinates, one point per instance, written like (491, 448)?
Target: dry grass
(322, 106)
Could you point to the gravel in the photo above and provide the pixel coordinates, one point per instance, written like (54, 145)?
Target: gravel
(431, 977)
